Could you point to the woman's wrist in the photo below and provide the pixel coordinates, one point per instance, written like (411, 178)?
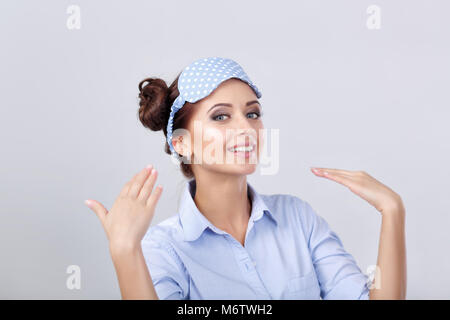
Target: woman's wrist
(396, 210)
(123, 249)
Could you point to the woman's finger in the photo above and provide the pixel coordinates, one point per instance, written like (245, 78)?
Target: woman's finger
(353, 183)
(98, 208)
(126, 187)
(340, 171)
(326, 174)
(148, 186)
(138, 182)
(154, 197)
(344, 179)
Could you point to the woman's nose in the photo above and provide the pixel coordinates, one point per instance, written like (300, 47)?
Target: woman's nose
(243, 122)
(244, 129)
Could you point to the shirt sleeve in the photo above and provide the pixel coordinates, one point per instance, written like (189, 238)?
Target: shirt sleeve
(339, 276)
(166, 269)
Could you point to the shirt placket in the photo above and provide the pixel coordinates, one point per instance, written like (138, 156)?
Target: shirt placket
(248, 268)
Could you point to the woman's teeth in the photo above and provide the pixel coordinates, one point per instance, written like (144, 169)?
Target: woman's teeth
(242, 149)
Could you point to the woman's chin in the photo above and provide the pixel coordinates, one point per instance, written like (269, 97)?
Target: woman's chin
(241, 169)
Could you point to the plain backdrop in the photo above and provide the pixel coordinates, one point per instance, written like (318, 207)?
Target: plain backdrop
(341, 94)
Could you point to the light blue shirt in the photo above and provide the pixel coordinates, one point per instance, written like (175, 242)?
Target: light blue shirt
(290, 252)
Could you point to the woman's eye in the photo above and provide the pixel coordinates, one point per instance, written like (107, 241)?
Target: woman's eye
(256, 113)
(219, 117)
(216, 118)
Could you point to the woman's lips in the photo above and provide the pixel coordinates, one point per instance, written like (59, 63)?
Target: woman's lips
(242, 153)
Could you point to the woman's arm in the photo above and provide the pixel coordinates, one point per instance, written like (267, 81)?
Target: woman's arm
(132, 273)
(125, 226)
(391, 257)
(391, 265)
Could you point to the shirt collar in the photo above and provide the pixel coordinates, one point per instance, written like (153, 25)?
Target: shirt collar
(194, 222)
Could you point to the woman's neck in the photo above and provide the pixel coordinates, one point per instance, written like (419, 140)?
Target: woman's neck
(225, 202)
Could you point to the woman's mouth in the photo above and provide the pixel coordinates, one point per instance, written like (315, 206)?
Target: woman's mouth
(242, 150)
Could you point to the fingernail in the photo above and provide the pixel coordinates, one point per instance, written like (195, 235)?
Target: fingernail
(87, 202)
(149, 166)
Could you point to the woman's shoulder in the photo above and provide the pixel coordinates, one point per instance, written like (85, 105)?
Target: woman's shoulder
(283, 200)
(288, 206)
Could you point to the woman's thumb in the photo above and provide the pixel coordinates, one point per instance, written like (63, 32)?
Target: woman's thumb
(98, 208)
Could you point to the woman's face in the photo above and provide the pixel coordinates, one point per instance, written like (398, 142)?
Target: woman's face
(230, 116)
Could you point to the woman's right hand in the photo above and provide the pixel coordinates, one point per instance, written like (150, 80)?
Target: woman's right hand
(130, 216)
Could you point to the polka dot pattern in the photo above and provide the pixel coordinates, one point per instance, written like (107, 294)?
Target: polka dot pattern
(199, 79)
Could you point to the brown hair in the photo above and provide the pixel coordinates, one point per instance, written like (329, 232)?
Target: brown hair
(154, 111)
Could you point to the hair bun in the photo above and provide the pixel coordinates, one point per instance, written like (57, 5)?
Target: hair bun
(153, 110)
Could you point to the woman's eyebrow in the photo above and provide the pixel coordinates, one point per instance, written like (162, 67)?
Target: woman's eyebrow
(230, 105)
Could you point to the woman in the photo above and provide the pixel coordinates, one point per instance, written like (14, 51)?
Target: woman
(227, 240)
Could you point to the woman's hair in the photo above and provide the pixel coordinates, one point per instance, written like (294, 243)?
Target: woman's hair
(154, 111)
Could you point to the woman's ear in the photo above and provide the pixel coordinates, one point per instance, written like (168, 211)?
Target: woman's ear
(179, 146)
(176, 142)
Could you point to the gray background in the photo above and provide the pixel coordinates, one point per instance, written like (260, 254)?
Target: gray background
(343, 96)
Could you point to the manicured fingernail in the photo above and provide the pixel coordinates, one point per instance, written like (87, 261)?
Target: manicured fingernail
(149, 166)
(87, 202)
(153, 171)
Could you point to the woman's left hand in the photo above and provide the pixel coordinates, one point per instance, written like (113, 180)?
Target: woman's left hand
(384, 199)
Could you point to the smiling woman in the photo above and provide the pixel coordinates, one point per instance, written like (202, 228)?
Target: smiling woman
(228, 241)
(204, 113)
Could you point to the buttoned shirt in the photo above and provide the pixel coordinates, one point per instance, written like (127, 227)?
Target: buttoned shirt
(290, 252)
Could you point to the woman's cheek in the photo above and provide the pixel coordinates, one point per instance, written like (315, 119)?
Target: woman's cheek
(213, 145)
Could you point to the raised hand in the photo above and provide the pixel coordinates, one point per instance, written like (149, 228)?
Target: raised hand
(130, 216)
(362, 184)
(391, 262)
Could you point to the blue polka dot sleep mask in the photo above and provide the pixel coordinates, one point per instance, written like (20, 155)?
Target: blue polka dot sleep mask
(199, 79)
